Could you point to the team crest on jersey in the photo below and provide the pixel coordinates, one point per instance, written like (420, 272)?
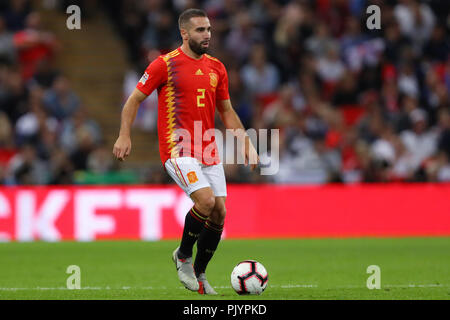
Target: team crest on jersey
(144, 78)
(213, 80)
(192, 177)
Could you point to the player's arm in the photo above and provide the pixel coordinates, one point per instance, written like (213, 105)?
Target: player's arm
(231, 121)
(122, 147)
(155, 75)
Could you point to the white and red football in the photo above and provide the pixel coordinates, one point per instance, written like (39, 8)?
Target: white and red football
(249, 277)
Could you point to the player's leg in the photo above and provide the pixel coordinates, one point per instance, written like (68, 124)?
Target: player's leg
(204, 202)
(210, 236)
(207, 244)
(187, 173)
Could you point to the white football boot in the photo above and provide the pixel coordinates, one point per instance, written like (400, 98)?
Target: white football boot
(185, 271)
(205, 287)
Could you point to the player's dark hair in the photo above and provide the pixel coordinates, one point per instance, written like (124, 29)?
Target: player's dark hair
(186, 15)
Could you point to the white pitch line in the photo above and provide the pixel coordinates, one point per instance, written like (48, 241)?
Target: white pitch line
(285, 286)
(416, 285)
(393, 286)
(86, 288)
(276, 286)
(298, 286)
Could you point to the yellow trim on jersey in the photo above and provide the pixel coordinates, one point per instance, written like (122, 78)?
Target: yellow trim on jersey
(212, 58)
(172, 54)
(170, 100)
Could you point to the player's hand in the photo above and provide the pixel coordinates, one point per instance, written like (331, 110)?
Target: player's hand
(122, 147)
(251, 156)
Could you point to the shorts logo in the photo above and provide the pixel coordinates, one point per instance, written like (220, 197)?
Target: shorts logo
(192, 177)
(213, 80)
(144, 78)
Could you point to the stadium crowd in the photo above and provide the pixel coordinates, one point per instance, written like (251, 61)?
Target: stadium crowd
(45, 134)
(352, 104)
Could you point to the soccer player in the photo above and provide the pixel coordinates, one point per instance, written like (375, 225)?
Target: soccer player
(190, 84)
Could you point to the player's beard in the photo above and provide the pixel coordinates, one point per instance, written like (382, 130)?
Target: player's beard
(196, 47)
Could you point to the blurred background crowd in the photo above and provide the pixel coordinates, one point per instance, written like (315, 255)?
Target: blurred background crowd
(38, 109)
(352, 104)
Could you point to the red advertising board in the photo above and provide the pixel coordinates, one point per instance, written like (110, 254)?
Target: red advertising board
(253, 211)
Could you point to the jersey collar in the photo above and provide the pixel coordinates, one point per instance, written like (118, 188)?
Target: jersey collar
(198, 60)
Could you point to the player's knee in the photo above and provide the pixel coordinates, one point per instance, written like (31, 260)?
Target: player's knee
(221, 214)
(206, 204)
(218, 215)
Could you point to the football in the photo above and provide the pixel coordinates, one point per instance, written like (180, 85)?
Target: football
(249, 277)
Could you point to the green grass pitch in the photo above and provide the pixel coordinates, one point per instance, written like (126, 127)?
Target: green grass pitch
(411, 268)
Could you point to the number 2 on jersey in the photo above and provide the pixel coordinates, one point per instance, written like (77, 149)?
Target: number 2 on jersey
(200, 95)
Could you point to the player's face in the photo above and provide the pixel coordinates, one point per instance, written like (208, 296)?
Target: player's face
(199, 35)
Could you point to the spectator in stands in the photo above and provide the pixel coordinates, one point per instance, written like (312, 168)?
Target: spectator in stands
(390, 96)
(420, 142)
(444, 131)
(45, 74)
(147, 114)
(242, 103)
(71, 128)
(438, 46)
(395, 42)
(346, 92)
(7, 146)
(7, 49)
(306, 82)
(33, 45)
(438, 167)
(25, 168)
(6, 132)
(242, 36)
(407, 80)
(13, 95)
(260, 77)
(48, 140)
(329, 67)
(100, 160)
(160, 32)
(351, 39)
(16, 13)
(61, 101)
(130, 22)
(319, 43)
(30, 125)
(416, 20)
(61, 168)
(280, 113)
(85, 145)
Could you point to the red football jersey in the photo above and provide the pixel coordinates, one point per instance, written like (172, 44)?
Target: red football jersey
(187, 93)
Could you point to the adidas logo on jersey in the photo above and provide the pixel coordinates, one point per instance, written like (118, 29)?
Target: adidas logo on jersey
(199, 73)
